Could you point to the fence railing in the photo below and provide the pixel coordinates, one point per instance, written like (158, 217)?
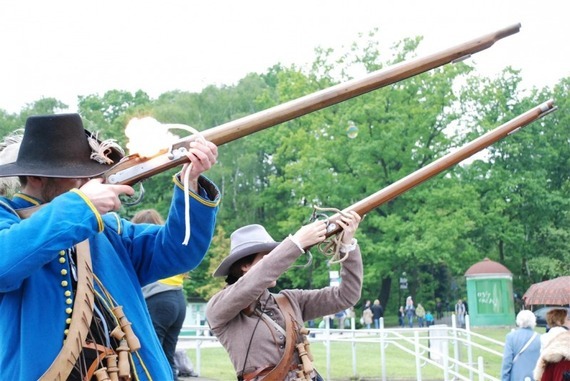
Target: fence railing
(446, 347)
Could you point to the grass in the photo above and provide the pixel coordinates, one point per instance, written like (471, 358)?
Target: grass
(215, 363)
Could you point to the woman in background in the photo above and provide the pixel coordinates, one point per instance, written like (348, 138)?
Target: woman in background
(556, 322)
(165, 300)
(522, 348)
(367, 315)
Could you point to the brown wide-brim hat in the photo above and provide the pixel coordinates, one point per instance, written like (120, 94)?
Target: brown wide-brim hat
(247, 240)
(57, 146)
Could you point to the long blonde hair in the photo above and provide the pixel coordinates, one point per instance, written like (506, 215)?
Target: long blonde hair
(149, 216)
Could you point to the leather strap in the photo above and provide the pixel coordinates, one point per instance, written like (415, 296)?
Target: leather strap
(80, 319)
(261, 371)
(103, 352)
(27, 212)
(281, 370)
(82, 313)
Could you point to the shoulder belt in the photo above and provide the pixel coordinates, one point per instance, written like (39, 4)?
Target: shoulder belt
(81, 315)
(525, 346)
(27, 212)
(279, 373)
(80, 318)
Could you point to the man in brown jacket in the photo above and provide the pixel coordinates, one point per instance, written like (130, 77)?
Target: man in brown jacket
(263, 332)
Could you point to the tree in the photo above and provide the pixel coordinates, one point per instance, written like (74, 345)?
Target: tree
(201, 281)
(522, 183)
(9, 123)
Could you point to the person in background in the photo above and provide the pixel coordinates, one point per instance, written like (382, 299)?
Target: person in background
(377, 313)
(556, 321)
(522, 348)
(439, 309)
(410, 311)
(401, 315)
(460, 313)
(429, 319)
(165, 300)
(340, 316)
(554, 361)
(421, 314)
(350, 315)
(465, 306)
(9, 148)
(262, 332)
(367, 315)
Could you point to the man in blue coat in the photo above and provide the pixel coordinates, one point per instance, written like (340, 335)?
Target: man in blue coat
(42, 268)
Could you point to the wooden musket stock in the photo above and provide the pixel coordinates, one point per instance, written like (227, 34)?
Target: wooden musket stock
(134, 168)
(416, 178)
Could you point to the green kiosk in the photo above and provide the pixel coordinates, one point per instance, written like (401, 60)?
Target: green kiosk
(490, 294)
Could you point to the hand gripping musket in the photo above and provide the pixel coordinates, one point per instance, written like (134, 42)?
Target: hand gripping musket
(134, 168)
(416, 178)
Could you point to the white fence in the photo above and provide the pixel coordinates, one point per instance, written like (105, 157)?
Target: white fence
(437, 345)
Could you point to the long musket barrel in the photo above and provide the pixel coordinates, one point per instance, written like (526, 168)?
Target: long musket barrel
(350, 89)
(123, 173)
(416, 178)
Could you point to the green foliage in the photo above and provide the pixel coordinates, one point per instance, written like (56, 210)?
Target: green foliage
(110, 113)
(202, 275)
(12, 122)
(509, 205)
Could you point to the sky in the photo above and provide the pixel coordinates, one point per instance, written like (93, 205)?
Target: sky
(67, 48)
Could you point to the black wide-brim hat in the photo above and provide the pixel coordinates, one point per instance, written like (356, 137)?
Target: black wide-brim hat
(57, 146)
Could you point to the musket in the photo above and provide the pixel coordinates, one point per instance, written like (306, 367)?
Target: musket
(135, 168)
(425, 173)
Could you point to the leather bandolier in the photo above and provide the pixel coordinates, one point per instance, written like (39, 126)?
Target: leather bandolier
(295, 340)
(80, 319)
(83, 356)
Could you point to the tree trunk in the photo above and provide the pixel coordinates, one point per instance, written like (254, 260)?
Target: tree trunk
(501, 251)
(384, 294)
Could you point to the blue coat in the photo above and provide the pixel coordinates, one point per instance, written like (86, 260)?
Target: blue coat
(125, 256)
(524, 365)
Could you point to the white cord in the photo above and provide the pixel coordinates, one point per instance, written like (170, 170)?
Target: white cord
(186, 182)
(187, 205)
